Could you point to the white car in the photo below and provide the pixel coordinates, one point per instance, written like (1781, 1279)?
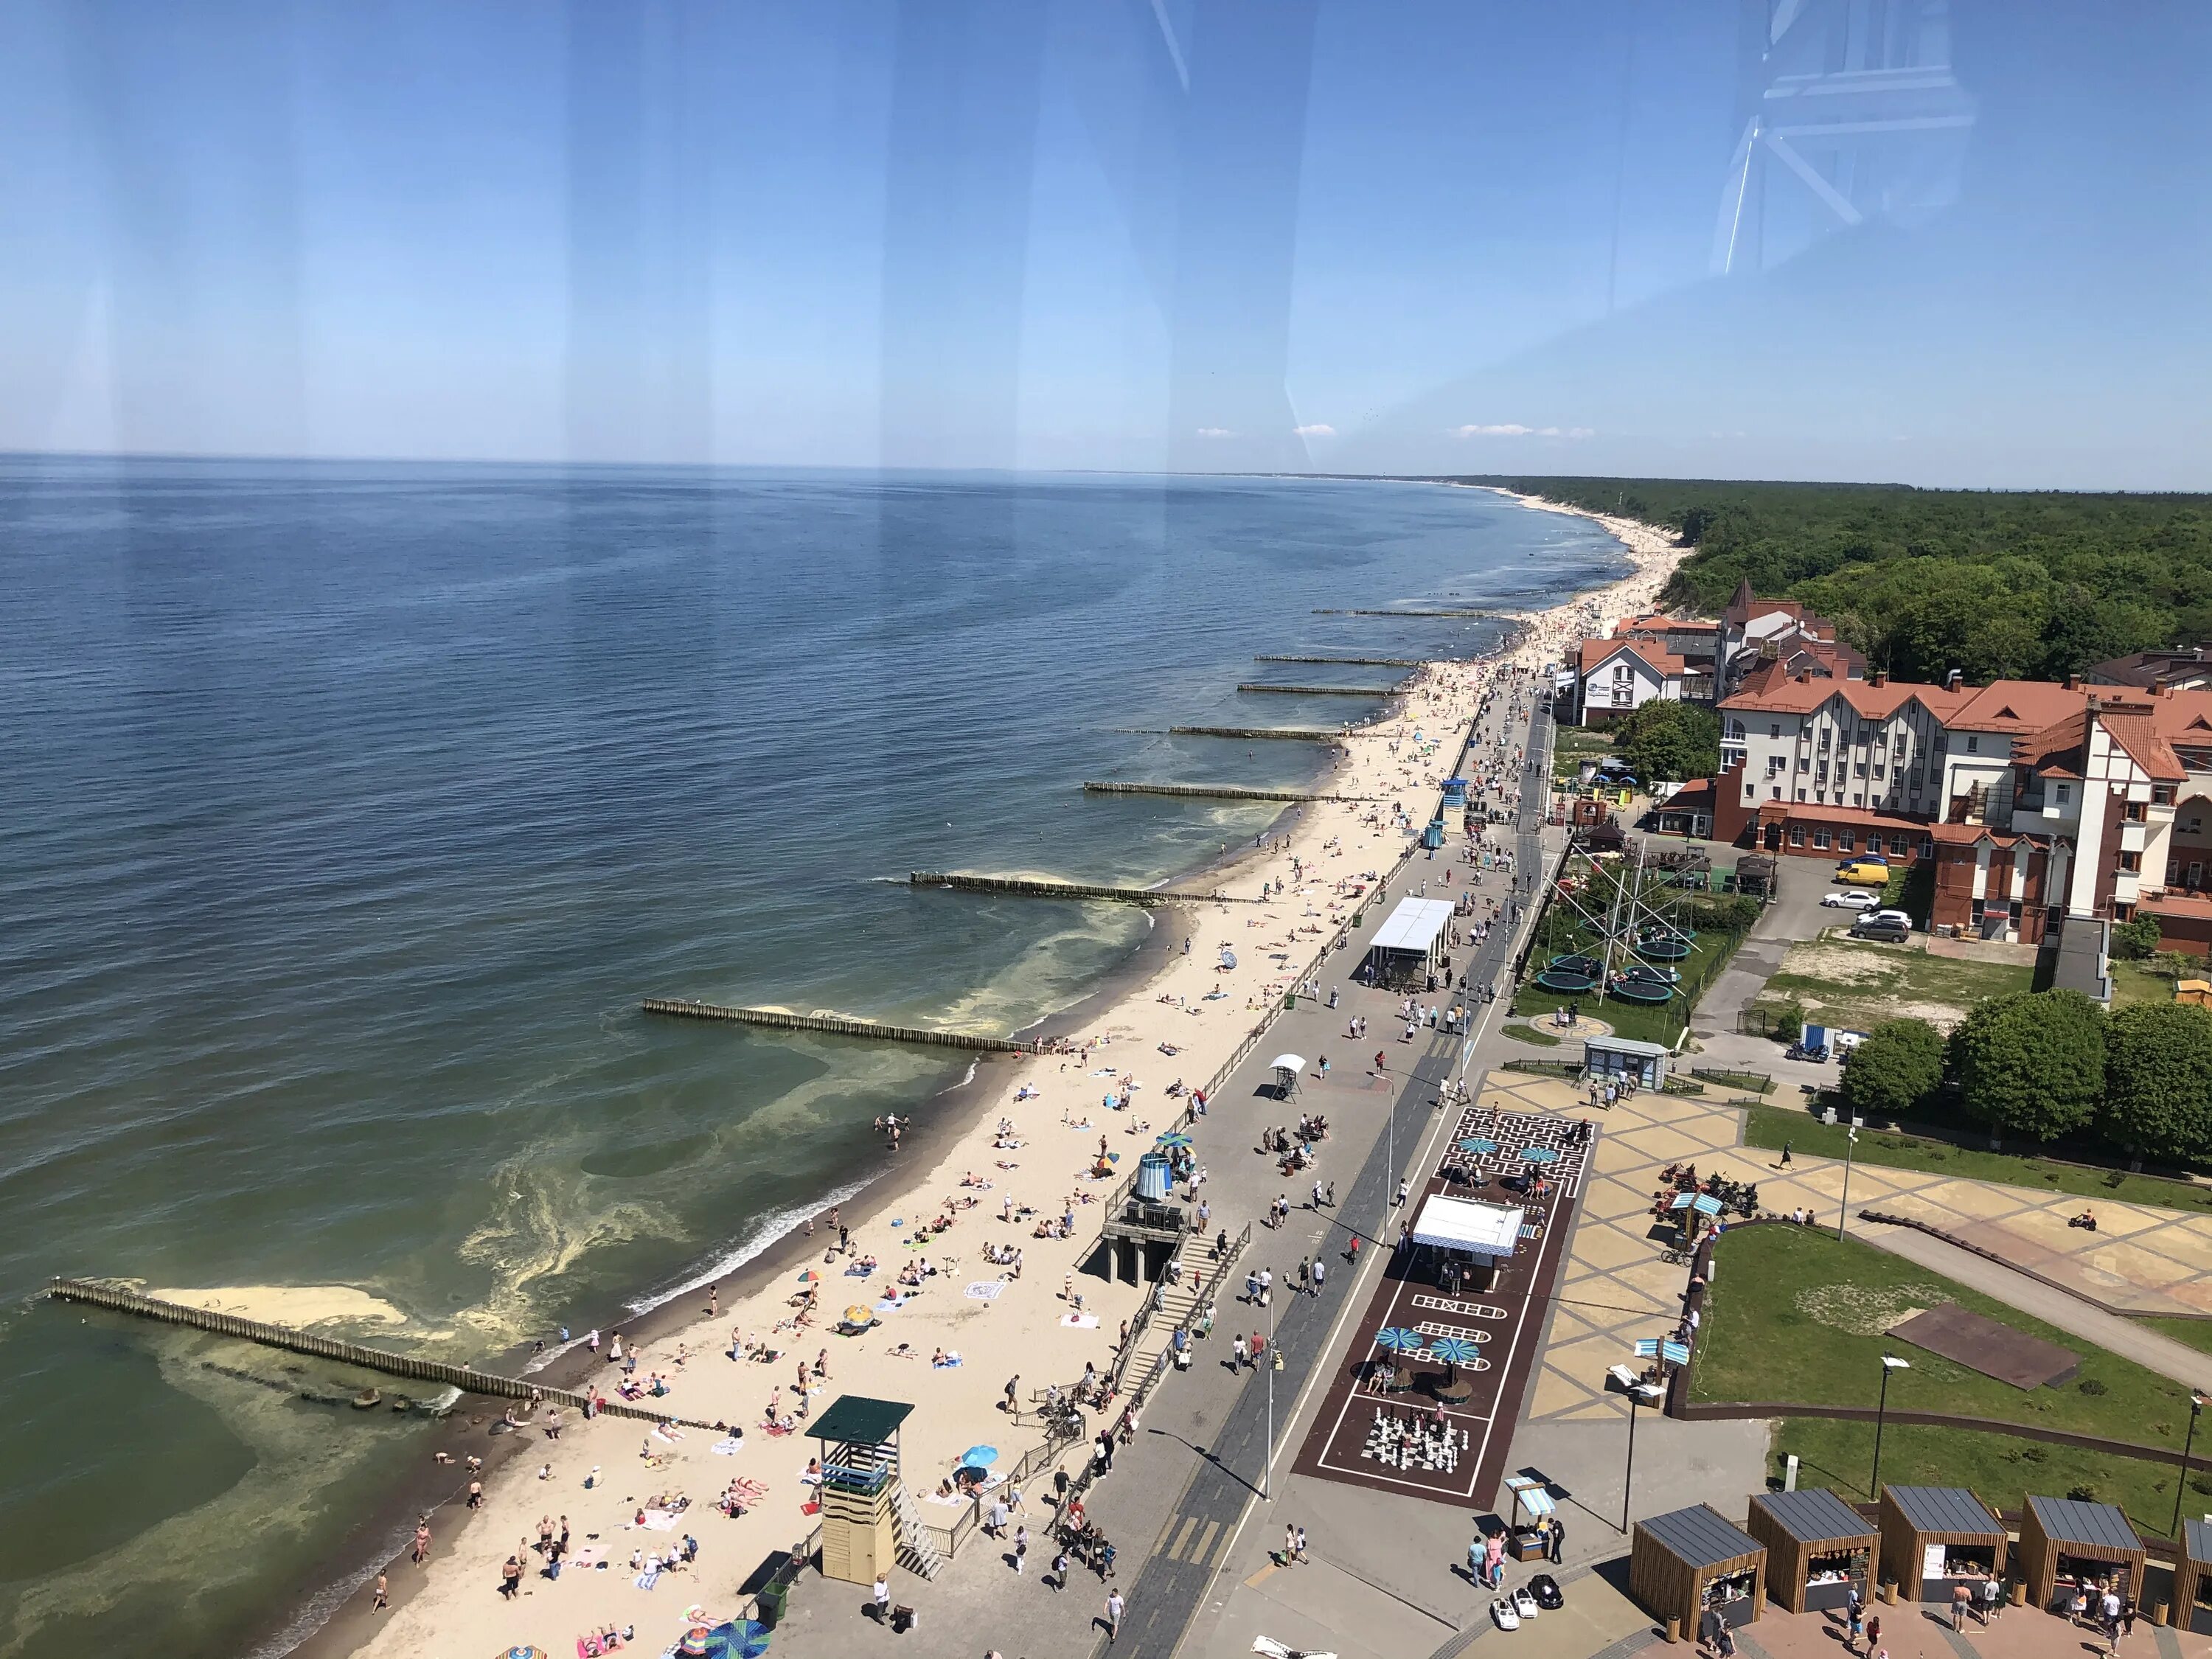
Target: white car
(1854, 900)
(1898, 916)
(1501, 1612)
(1524, 1602)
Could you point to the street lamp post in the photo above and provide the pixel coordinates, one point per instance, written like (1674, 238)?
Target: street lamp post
(2181, 1480)
(1274, 1365)
(1638, 1393)
(1850, 1140)
(1890, 1363)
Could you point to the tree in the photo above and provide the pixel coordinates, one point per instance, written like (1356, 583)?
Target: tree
(2032, 1063)
(2158, 1081)
(1896, 1068)
(2136, 938)
(1673, 741)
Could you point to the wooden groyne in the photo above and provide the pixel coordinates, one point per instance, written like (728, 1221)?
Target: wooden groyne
(1215, 792)
(1322, 690)
(1030, 887)
(1406, 613)
(467, 1378)
(1358, 662)
(834, 1024)
(1288, 733)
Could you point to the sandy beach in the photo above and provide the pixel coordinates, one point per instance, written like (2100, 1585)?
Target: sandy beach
(1026, 1156)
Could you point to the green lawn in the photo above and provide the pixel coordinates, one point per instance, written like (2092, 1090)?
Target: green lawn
(2000, 1469)
(1660, 1024)
(1770, 1126)
(1573, 744)
(2196, 1332)
(2137, 982)
(1795, 1314)
(1530, 1034)
(1857, 984)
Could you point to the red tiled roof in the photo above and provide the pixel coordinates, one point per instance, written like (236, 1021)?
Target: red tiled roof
(1969, 835)
(1864, 818)
(1769, 689)
(2137, 731)
(1695, 796)
(2017, 706)
(1664, 663)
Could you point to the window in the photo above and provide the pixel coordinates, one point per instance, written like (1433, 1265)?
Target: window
(1847, 841)
(1797, 832)
(1863, 769)
(2122, 912)
(1820, 838)
(2137, 811)
(1928, 847)
(1824, 737)
(2061, 794)
(2131, 861)
(1801, 792)
(1877, 768)
(1804, 763)
(1775, 792)
(1973, 746)
(2161, 794)
(1774, 730)
(1858, 798)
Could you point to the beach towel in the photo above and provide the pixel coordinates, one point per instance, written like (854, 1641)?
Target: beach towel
(590, 1556)
(647, 1579)
(729, 1446)
(666, 1438)
(659, 1520)
(587, 1648)
(889, 1307)
(1080, 1321)
(986, 1289)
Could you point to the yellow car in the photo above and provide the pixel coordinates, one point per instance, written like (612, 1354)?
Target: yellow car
(1861, 874)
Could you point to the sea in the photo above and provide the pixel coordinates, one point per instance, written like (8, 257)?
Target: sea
(347, 811)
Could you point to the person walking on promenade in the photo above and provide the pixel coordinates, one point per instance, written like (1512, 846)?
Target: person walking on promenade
(1785, 1155)
(381, 1600)
(1114, 1607)
(1319, 1273)
(1959, 1596)
(1992, 1598)
(882, 1600)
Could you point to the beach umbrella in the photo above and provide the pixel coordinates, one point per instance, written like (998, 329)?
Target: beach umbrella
(979, 1457)
(809, 1277)
(1477, 1144)
(526, 1651)
(1174, 1138)
(1539, 1155)
(857, 1314)
(694, 1644)
(1455, 1352)
(1399, 1340)
(1683, 1200)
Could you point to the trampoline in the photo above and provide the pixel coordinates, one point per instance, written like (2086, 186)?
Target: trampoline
(1663, 944)
(1645, 985)
(1570, 973)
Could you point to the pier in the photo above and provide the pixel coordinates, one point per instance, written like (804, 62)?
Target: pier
(1358, 662)
(1406, 613)
(1287, 734)
(1216, 792)
(467, 1378)
(1030, 887)
(834, 1024)
(1323, 690)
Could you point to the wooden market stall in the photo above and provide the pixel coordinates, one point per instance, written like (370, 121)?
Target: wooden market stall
(1819, 1548)
(1933, 1538)
(2065, 1543)
(2193, 1579)
(1685, 1564)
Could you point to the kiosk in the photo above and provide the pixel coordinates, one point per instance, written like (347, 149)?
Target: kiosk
(1819, 1548)
(2193, 1579)
(2065, 1544)
(1624, 1059)
(1685, 1565)
(1934, 1537)
(1467, 1238)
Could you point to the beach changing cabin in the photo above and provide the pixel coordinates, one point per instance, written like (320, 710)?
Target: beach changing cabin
(2065, 1543)
(1818, 1548)
(2193, 1579)
(1933, 1537)
(1684, 1564)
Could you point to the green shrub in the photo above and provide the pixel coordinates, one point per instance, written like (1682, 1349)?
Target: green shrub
(2090, 1385)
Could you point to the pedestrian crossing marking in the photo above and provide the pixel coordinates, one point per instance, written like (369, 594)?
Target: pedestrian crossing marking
(1176, 1549)
(1256, 1578)
(1205, 1542)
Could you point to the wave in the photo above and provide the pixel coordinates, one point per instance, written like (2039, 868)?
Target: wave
(759, 1239)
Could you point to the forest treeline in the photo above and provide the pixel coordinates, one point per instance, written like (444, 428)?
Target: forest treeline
(1998, 585)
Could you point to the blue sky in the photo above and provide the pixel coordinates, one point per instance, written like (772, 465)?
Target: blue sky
(1480, 236)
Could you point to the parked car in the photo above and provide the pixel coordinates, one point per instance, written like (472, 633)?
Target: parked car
(1898, 916)
(1524, 1602)
(1882, 932)
(1863, 873)
(1857, 899)
(1546, 1591)
(1502, 1614)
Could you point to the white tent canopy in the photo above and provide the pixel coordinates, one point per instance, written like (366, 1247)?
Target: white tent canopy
(1466, 1223)
(1291, 1063)
(1413, 925)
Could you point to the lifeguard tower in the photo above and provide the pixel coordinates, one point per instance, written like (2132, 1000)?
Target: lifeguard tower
(868, 1515)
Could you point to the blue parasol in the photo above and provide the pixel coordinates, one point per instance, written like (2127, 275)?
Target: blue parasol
(740, 1638)
(1454, 1351)
(1174, 1138)
(979, 1457)
(1399, 1340)
(1539, 1155)
(1477, 1144)
(1682, 1200)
